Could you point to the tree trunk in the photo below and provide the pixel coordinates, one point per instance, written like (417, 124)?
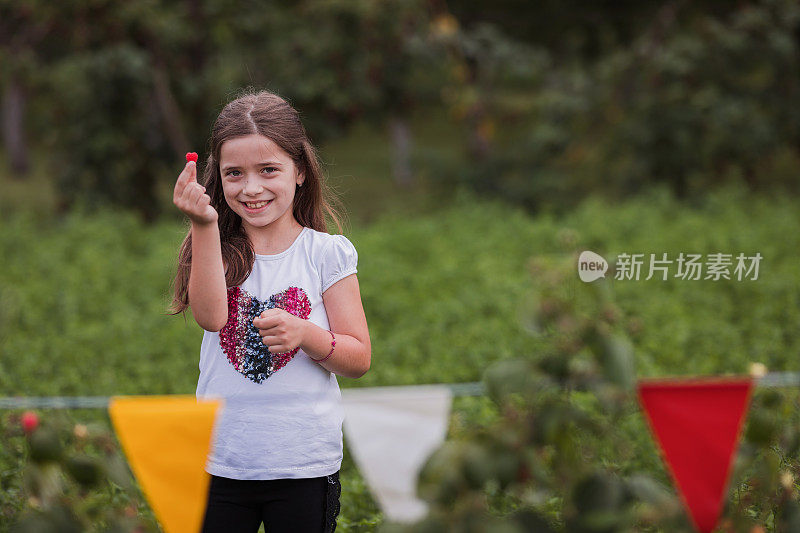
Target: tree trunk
(13, 116)
(479, 144)
(168, 107)
(401, 151)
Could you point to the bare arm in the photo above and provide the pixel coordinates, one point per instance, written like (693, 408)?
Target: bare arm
(207, 292)
(352, 354)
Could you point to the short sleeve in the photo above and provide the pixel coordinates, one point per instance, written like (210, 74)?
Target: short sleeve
(339, 261)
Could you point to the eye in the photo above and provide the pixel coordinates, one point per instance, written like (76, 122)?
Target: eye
(270, 169)
(230, 172)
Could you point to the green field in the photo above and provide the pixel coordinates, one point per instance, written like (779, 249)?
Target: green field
(445, 294)
(448, 282)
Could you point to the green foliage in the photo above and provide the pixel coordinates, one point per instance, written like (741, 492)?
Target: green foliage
(350, 59)
(75, 479)
(108, 134)
(118, 92)
(84, 297)
(117, 89)
(563, 455)
(83, 301)
(690, 106)
(692, 96)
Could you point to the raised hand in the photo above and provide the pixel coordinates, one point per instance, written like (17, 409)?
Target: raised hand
(191, 198)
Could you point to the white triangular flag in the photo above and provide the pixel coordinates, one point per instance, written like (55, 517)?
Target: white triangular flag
(391, 432)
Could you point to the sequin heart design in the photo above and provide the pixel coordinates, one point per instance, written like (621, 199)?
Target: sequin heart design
(240, 340)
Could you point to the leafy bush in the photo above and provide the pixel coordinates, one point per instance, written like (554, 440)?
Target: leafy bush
(690, 106)
(74, 478)
(569, 452)
(83, 301)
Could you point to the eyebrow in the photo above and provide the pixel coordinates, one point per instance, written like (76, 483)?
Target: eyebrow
(231, 167)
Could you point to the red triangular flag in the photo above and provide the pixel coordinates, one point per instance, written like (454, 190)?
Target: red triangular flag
(697, 423)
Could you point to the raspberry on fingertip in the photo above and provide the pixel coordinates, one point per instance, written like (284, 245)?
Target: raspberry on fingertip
(191, 156)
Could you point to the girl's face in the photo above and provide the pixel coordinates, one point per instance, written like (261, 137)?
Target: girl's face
(258, 180)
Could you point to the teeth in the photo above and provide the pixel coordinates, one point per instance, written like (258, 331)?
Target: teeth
(256, 205)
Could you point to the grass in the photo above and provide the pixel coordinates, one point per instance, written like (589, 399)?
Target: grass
(447, 283)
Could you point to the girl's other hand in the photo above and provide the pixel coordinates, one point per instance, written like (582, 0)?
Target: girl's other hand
(280, 330)
(191, 198)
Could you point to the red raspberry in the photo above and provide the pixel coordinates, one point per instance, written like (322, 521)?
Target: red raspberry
(191, 156)
(30, 421)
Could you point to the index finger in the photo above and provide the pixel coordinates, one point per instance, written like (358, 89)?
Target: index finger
(185, 177)
(262, 322)
(191, 167)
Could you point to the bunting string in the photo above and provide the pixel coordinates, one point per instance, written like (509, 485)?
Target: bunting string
(476, 388)
(101, 402)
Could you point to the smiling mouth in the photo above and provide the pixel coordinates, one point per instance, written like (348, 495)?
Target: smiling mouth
(255, 206)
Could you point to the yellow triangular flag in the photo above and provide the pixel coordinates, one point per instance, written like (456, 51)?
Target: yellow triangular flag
(167, 440)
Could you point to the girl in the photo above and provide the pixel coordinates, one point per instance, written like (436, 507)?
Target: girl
(279, 301)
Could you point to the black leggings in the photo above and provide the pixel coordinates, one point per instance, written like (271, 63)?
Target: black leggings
(284, 505)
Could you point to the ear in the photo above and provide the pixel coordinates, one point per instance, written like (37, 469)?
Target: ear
(301, 179)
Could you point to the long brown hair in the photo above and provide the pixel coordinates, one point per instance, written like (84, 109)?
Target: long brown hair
(267, 114)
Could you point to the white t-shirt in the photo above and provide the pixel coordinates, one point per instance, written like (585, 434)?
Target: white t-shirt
(282, 416)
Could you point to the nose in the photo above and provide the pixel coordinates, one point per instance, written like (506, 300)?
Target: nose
(252, 187)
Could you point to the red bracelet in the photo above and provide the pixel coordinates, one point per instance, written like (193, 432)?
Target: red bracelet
(333, 344)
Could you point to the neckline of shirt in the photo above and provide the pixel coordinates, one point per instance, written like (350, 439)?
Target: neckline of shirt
(263, 257)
